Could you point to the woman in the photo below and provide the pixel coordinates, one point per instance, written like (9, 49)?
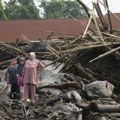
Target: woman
(30, 76)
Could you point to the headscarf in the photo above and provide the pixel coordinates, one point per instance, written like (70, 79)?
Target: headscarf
(32, 55)
(20, 67)
(22, 59)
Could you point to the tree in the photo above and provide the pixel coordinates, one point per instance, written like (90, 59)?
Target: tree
(21, 9)
(2, 13)
(61, 9)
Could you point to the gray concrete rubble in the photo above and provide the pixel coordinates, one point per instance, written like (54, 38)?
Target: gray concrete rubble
(99, 89)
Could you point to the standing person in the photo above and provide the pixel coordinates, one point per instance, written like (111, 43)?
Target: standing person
(31, 70)
(20, 74)
(11, 74)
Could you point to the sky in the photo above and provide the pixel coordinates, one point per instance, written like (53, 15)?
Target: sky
(114, 5)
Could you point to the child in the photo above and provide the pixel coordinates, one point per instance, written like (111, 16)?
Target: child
(11, 75)
(20, 73)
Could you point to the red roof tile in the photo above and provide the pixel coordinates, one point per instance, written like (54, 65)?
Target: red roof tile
(35, 29)
(40, 29)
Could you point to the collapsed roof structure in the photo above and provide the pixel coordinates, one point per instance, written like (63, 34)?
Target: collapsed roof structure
(88, 57)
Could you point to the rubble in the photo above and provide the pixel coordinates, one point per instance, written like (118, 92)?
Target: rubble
(86, 87)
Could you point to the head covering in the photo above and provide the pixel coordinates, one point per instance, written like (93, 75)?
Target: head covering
(22, 59)
(32, 55)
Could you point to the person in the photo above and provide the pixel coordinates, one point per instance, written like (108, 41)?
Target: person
(20, 74)
(31, 70)
(11, 75)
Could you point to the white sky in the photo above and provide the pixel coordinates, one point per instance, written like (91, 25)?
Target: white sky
(114, 5)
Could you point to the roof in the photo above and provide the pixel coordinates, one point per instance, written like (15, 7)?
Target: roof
(40, 29)
(114, 19)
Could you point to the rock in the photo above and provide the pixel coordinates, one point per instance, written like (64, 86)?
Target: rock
(66, 111)
(52, 91)
(74, 95)
(99, 89)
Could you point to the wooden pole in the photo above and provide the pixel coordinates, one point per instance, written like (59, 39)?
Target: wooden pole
(87, 27)
(99, 12)
(110, 23)
(110, 11)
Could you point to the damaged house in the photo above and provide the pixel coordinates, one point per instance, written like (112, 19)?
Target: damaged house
(86, 87)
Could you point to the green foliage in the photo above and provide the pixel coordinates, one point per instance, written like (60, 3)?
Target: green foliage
(61, 9)
(25, 2)
(2, 14)
(21, 9)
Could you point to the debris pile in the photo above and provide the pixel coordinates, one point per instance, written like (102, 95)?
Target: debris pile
(86, 87)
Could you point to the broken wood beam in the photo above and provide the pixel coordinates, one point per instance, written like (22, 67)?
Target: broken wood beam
(85, 8)
(102, 108)
(99, 12)
(62, 86)
(105, 54)
(84, 72)
(110, 23)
